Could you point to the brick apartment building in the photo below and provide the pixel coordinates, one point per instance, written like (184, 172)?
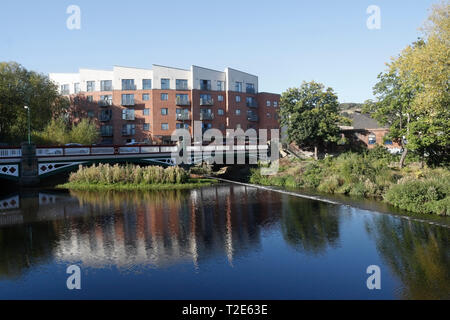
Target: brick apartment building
(147, 105)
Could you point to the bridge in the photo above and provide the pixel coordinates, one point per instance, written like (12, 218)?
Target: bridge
(28, 164)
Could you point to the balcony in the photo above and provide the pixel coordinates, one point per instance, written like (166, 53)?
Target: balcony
(106, 131)
(183, 116)
(104, 103)
(206, 116)
(182, 102)
(250, 90)
(206, 101)
(252, 117)
(252, 103)
(105, 117)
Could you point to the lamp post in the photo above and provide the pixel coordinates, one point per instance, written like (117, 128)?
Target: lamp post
(29, 129)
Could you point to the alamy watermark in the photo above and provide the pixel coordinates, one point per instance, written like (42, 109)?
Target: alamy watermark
(235, 148)
(374, 20)
(73, 22)
(74, 280)
(374, 280)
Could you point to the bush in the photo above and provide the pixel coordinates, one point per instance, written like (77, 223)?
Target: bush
(129, 174)
(421, 196)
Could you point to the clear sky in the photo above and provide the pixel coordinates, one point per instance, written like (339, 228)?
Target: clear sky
(284, 42)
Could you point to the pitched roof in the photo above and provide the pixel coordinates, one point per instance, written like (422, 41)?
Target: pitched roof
(361, 121)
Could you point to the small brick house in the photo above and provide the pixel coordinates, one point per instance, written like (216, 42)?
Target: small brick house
(365, 132)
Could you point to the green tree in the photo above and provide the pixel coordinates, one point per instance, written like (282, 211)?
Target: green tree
(85, 132)
(20, 87)
(311, 115)
(413, 96)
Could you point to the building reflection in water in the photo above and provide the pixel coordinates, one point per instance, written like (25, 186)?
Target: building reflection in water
(154, 228)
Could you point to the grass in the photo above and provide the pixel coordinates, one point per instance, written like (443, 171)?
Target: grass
(370, 174)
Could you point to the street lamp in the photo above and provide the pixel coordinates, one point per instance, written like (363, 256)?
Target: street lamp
(29, 129)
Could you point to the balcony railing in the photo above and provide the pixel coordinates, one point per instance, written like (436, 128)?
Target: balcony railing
(128, 132)
(183, 116)
(205, 87)
(252, 104)
(128, 103)
(206, 116)
(182, 102)
(252, 117)
(104, 103)
(206, 101)
(250, 90)
(105, 118)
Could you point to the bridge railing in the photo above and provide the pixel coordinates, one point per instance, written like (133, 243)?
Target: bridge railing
(124, 150)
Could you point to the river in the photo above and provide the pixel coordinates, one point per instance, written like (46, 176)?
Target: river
(226, 241)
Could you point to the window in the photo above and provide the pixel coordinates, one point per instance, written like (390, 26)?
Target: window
(220, 98)
(268, 103)
(372, 139)
(146, 127)
(164, 96)
(128, 129)
(182, 99)
(205, 85)
(238, 98)
(181, 84)
(105, 115)
(128, 84)
(179, 126)
(388, 142)
(146, 84)
(146, 112)
(128, 99)
(106, 85)
(165, 84)
(146, 97)
(238, 86)
(105, 100)
(90, 86)
(90, 113)
(238, 112)
(90, 99)
(164, 126)
(268, 115)
(275, 104)
(65, 89)
(106, 131)
(220, 112)
(128, 114)
(164, 111)
(76, 88)
(251, 102)
(250, 88)
(220, 85)
(206, 100)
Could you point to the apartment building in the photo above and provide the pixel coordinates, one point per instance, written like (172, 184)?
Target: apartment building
(147, 105)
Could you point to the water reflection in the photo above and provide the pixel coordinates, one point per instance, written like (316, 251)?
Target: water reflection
(223, 224)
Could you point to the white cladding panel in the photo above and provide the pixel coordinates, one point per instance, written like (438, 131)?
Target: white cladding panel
(161, 72)
(234, 76)
(94, 75)
(136, 74)
(199, 73)
(65, 78)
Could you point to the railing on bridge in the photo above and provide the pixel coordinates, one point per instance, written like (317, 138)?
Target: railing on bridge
(44, 152)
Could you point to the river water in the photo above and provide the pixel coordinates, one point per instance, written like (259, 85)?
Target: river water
(222, 242)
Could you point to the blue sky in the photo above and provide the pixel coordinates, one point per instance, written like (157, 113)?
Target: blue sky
(284, 42)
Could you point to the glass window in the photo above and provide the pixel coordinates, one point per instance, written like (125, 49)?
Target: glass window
(90, 86)
(106, 85)
(238, 112)
(388, 142)
(65, 89)
(164, 111)
(128, 129)
(146, 126)
(146, 84)
(220, 98)
(372, 139)
(90, 114)
(275, 104)
(128, 114)
(205, 85)
(146, 112)
(164, 126)
(76, 88)
(128, 99)
(250, 88)
(164, 96)
(238, 86)
(90, 98)
(128, 84)
(238, 98)
(220, 112)
(220, 85)
(268, 103)
(105, 100)
(146, 97)
(165, 84)
(182, 84)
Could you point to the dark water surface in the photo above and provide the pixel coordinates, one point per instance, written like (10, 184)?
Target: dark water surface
(221, 242)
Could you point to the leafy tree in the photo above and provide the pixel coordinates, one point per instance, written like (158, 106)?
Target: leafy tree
(20, 87)
(413, 95)
(85, 132)
(311, 115)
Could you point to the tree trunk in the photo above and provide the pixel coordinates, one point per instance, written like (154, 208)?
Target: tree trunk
(402, 159)
(316, 153)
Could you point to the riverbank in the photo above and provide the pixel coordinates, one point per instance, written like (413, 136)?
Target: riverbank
(370, 175)
(132, 177)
